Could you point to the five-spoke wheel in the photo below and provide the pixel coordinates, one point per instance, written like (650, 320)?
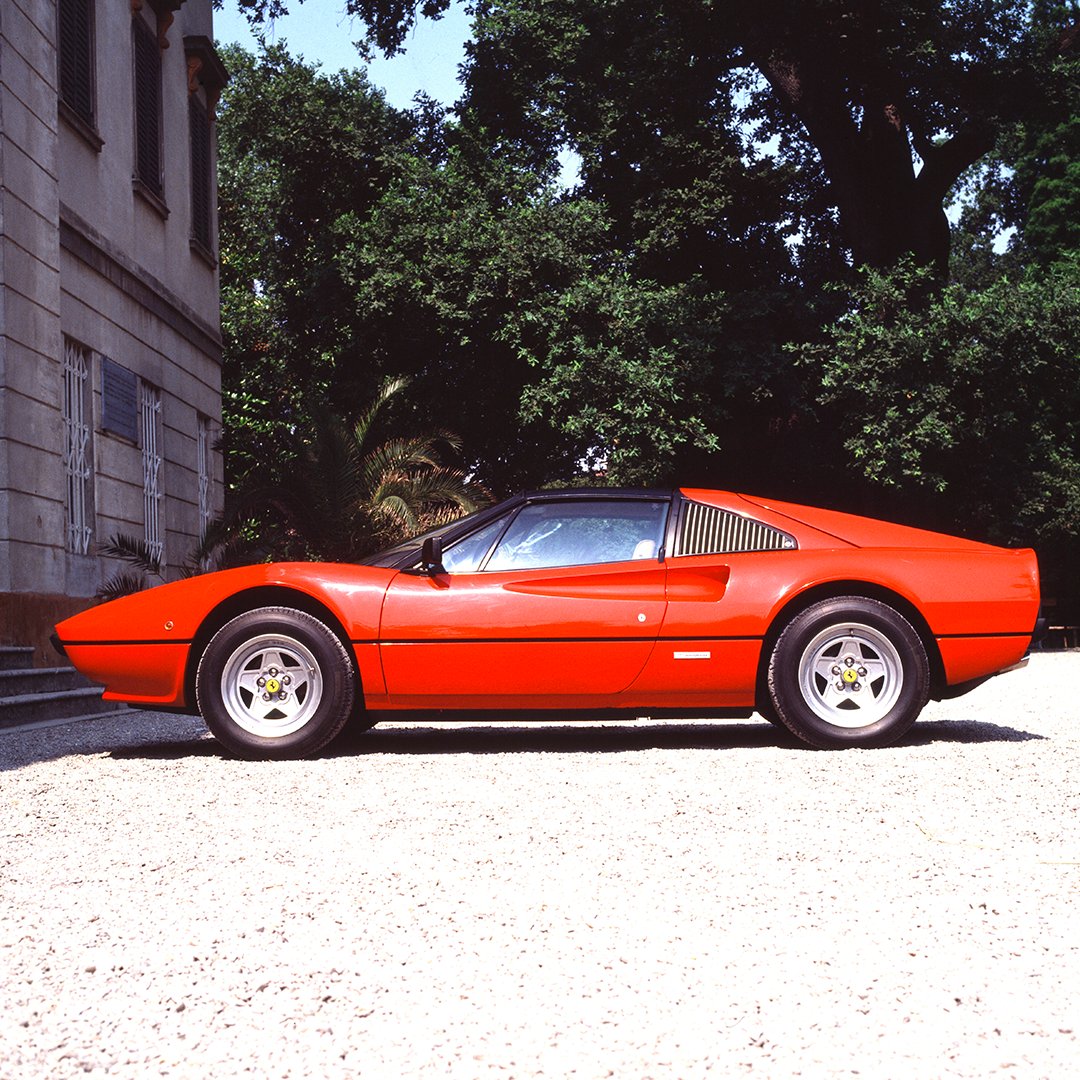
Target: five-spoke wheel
(275, 683)
(848, 671)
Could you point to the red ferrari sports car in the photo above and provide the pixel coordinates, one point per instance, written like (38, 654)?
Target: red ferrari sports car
(643, 603)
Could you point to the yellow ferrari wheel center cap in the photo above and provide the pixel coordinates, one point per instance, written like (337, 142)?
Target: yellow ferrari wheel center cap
(274, 685)
(850, 675)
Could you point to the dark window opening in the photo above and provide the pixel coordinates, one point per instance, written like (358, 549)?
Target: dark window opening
(147, 107)
(76, 57)
(200, 172)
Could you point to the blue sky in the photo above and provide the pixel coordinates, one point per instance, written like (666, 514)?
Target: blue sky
(319, 30)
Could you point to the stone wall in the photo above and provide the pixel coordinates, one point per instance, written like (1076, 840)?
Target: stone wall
(97, 265)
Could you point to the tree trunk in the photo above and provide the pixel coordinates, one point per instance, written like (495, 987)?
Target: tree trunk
(888, 208)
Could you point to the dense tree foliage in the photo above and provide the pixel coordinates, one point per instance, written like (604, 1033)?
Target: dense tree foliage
(297, 151)
(974, 395)
(884, 105)
(748, 285)
(360, 242)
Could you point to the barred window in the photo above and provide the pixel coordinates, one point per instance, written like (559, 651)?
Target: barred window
(206, 475)
(76, 57)
(77, 446)
(199, 121)
(150, 416)
(705, 530)
(147, 61)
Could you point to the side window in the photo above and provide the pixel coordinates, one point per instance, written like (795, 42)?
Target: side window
(705, 530)
(577, 533)
(466, 555)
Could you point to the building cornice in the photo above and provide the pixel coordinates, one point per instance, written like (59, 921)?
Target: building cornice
(205, 69)
(81, 240)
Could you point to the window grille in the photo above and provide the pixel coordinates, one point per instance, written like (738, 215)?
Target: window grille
(200, 171)
(76, 446)
(705, 530)
(150, 413)
(147, 58)
(76, 57)
(205, 477)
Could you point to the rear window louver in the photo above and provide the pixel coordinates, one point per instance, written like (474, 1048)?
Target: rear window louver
(704, 530)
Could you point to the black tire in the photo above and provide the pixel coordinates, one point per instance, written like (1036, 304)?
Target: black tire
(767, 711)
(275, 683)
(847, 672)
(356, 727)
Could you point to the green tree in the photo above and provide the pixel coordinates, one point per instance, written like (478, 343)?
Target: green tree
(434, 273)
(523, 315)
(881, 106)
(964, 414)
(1020, 204)
(360, 244)
(297, 151)
(645, 323)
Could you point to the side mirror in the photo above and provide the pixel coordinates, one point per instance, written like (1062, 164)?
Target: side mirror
(431, 556)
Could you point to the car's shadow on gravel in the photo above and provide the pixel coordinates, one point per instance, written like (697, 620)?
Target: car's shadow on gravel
(579, 739)
(607, 739)
(965, 731)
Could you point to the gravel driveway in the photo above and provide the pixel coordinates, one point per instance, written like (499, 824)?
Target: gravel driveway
(655, 900)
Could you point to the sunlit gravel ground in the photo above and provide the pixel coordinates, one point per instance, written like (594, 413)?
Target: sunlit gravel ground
(656, 900)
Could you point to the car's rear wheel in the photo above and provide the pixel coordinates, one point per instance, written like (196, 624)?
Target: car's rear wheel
(849, 671)
(275, 683)
(767, 711)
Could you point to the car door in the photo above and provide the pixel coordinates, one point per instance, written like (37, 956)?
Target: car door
(558, 603)
(710, 643)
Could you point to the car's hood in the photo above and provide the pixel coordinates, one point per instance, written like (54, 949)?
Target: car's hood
(174, 612)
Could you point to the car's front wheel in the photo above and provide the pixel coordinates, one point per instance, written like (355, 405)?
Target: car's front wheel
(849, 671)
(275, 683)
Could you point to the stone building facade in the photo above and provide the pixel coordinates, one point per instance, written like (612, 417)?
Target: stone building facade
(110, 343)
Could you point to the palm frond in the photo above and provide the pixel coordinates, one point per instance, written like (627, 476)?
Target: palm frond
(342, 497)
(366, 420)
(133, 551)
(226, 543)
(394, 508)
(405, 453)
(122, 584)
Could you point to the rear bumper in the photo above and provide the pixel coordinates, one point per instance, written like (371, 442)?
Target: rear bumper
(1018, 666)
(959, 689)
(973, 659)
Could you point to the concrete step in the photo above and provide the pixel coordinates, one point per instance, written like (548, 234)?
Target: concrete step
(15, 657)
(17, 682)
(54, 706)
(117, 713)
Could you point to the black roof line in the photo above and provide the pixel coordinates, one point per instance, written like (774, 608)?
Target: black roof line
(596, 492)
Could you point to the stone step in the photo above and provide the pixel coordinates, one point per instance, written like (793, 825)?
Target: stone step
(116, 713)
(56, 706)
(15, 657)
(19, 681)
